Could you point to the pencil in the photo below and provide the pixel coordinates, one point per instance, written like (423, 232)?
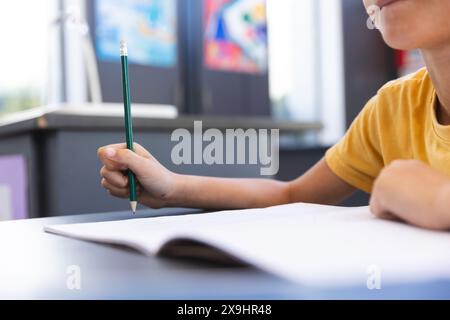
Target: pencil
(128, 121)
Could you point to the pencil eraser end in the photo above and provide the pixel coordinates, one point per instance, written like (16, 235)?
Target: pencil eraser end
(123, 48)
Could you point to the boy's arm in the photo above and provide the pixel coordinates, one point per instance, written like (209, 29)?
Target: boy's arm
(411, 191)
(319, 185)
(161, 188)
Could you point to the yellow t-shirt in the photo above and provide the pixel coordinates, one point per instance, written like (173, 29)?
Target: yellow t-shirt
(400, 122)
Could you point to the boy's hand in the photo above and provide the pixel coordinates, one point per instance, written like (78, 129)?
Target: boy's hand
(411, 191)
(155, 181)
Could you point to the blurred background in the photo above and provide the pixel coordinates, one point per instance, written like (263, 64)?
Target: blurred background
(306, 67)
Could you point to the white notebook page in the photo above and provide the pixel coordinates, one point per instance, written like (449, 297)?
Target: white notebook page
(310, 244)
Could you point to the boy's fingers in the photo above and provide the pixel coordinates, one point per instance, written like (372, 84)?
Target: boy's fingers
(105, 152)
(114, 146)
(115, 191)
(117, 194)
(379, 211)
(114, 166)
(104, 156)
(115, 178)
(140, 150)
(128, 158)
(375, 206)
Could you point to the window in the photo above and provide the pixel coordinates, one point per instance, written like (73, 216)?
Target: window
(306, 63)
(24, 57)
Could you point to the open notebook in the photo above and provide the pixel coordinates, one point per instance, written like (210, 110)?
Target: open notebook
(310, 244)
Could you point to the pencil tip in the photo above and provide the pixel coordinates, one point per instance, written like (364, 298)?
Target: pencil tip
(133, 206)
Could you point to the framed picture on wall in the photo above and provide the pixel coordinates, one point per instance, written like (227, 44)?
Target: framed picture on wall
(235, 36)
(151, 29)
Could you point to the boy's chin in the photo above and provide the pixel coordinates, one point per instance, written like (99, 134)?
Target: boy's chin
(400, 41)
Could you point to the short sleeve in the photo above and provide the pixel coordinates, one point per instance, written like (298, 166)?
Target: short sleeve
(357, 158)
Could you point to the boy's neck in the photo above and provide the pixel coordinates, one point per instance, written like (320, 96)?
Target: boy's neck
(438, 64)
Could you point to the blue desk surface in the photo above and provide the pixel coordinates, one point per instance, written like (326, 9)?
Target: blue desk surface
(33, 265)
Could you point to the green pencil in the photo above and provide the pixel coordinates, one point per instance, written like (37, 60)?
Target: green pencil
(128, 121)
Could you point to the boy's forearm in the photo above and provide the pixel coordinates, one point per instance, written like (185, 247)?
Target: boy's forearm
(224, 193)
(318, 185)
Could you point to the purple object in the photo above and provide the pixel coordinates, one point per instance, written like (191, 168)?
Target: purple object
(13, 175)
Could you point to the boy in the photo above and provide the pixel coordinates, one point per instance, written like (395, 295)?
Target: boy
(408, 119)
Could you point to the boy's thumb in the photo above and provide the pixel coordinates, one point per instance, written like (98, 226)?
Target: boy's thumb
(131, 160)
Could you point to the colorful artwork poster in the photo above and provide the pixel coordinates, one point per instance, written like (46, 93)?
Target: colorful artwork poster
(236, 36)
(148, 26)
